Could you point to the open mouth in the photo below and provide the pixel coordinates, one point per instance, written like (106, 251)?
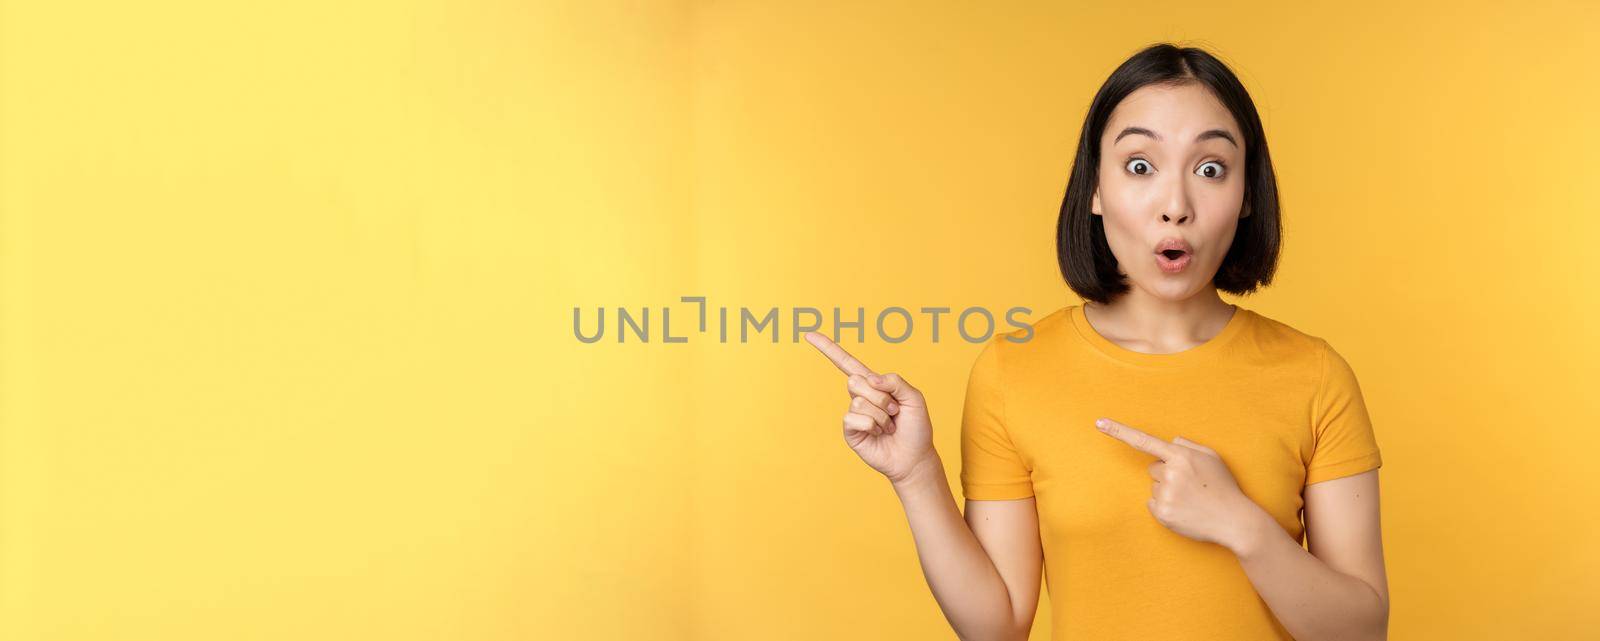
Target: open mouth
(1173, 261)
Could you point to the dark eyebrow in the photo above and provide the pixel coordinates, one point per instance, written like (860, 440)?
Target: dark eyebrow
(1136, 130)
(1216, 133)
(1205, 135)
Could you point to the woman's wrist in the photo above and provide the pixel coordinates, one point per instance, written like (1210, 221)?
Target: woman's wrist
(930, 469)
(1253, 531)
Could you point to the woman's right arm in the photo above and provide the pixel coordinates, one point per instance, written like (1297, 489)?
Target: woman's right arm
(984, 570)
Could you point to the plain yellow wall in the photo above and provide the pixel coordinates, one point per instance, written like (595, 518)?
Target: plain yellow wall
(286, 299)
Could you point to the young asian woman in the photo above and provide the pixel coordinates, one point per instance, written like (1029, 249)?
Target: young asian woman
(1156, 454)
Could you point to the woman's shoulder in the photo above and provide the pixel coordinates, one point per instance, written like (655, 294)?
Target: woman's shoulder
(1047, 326)
(1034, 337)
(1271, 332)
(1275, 343)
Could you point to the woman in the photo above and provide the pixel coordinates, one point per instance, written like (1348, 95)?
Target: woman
(1152, 449)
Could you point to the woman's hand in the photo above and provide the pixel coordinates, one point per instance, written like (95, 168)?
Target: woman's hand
(1194, 493)
(887, 421)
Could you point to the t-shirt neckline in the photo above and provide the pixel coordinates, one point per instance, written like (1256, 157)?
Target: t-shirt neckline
(1194, 355)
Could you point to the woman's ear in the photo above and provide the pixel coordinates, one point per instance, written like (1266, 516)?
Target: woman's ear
(1094, 203)
(1245, 212)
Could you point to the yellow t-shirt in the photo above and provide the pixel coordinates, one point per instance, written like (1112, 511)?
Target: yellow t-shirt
(1280, 407)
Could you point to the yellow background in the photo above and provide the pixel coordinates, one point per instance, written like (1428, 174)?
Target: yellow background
(286, 347)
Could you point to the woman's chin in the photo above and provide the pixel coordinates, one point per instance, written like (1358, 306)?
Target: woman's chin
(1169, 287)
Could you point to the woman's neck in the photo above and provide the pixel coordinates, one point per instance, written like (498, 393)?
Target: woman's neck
(1143, 323)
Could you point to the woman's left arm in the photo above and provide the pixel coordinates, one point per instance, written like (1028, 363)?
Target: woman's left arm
(1337, 590)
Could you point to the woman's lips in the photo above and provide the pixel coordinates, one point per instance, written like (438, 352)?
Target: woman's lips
(1173, 265)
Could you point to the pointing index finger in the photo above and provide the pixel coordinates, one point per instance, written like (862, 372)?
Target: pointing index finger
(841, 359)
(1138, 439)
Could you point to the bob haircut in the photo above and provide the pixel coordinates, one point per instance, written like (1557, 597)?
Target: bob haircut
(1086, 260)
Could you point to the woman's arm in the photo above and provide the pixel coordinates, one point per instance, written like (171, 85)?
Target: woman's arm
(1337, 590)
(984, 571)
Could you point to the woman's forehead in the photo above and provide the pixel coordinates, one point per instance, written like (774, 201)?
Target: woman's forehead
(1175, 114)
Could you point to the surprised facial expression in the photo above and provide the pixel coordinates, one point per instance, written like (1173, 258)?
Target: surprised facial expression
(1171, 187)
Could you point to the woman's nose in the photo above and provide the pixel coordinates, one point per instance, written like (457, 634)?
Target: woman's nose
(1177, 208)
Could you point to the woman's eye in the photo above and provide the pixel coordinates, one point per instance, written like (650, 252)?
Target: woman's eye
(1139, 166)
(1215, 170)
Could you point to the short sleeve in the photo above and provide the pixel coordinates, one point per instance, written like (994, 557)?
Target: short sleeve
(991, 467)
(1344, 441)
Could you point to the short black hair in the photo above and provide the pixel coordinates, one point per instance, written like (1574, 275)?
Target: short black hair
(1086, 260)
